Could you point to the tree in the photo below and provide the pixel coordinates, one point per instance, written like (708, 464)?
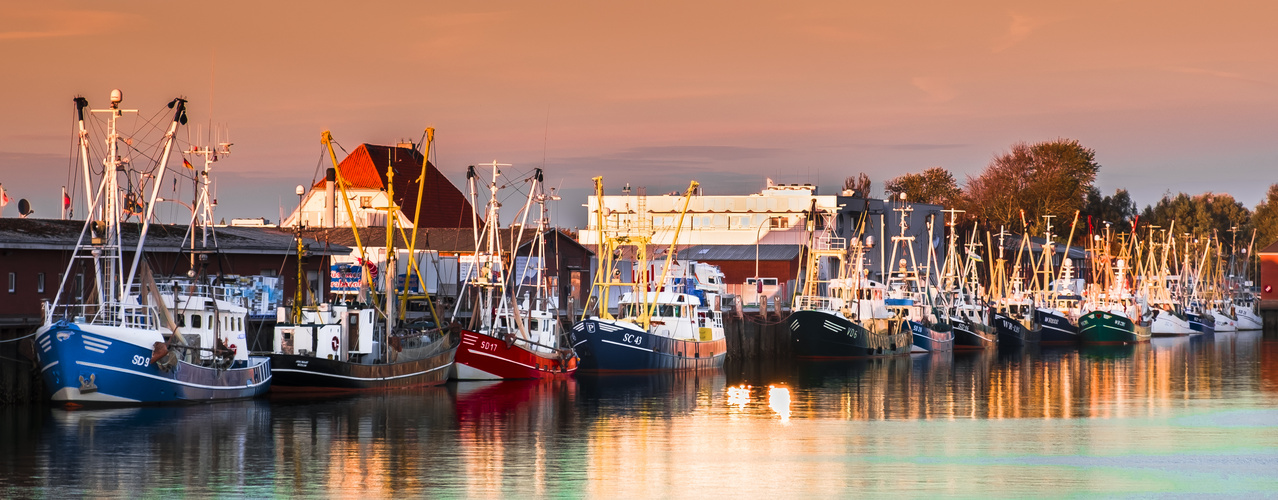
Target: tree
(1207, 214)
(935, 185)
(1265, 219)
(860, 186)
(1118, 209)
(1047, 178)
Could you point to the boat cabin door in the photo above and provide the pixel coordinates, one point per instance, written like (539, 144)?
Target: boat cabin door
(352, 334)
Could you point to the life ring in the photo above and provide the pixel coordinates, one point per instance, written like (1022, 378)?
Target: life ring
(336, 344)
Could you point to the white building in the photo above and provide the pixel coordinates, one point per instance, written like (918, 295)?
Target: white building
(775, 215)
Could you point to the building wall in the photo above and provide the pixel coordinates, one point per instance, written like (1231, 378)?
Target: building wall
(22, 307)
(1268, 281)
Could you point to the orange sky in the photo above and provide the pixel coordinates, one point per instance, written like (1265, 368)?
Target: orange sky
(1177, 96)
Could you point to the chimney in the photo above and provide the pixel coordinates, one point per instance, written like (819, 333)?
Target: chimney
(330, 200)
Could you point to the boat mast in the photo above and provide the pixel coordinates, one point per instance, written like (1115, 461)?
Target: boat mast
(179, 117)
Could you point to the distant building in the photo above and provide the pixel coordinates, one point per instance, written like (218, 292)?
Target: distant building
(365, 172)
(876, 221)
(775, 215)
(752, 271)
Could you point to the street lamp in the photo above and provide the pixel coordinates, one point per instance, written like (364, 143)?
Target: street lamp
(758, 284)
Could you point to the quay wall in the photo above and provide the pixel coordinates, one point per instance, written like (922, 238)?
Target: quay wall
(757, 335)
(19, 382)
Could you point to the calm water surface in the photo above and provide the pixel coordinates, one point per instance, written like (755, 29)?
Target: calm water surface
(1180, 416)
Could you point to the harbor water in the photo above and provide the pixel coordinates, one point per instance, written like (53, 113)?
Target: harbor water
(1176, 416)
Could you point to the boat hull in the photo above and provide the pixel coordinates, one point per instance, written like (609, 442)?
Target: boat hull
(1104, 328)
(936, 338)
(1055, 329)
(1248, 319)
(969, 337)
(484, 357)
(1201, 323)
(823, 335)
(1011, 333)
(294, 373)
(93, 364)
(611, 345)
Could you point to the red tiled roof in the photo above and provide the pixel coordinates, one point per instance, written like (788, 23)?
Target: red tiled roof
(443, 205)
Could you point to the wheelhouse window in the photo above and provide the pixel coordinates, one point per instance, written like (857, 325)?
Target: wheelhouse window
(195, 321)
(751, 281)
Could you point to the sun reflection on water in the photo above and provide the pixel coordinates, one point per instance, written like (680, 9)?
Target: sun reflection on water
(739, 396)
(779, 401)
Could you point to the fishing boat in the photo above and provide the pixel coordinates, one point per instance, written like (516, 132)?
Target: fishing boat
(657, 326)
(839, 313)
(1012, 314)
(965, 309)
(1111, 315)
(913, 295)
(509, 337)
(1242, 299)
(122, 344)
(1057, 294)
(353, 346)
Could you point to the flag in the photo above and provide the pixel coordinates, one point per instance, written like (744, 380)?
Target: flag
(187, 164)
(4, 197)
(66, 200)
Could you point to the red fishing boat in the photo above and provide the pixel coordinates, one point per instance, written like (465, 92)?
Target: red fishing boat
(513, 331)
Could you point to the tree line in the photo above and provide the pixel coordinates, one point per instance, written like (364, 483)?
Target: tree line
(1056, 178)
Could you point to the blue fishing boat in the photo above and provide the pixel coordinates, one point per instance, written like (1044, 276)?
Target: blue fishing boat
(128, 340)
(665, 323)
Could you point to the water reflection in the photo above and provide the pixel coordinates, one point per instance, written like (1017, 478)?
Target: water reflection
(1006, 422)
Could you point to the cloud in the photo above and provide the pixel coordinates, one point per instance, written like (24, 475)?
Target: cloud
(61, 23)
(936, 89)
(1219, 74)
(710, 153)
(916, 146)
(1020, 28)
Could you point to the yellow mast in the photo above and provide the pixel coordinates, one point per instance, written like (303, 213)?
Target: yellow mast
(604, 248)
(327, 139)
(414, 269)
(687, 197)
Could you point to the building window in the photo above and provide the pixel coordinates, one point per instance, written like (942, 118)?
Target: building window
(270, 273)
(13, 282)
(365, 202)
(79, 285)
(780, 222)
(39, 282)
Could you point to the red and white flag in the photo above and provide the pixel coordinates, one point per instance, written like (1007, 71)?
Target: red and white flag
(4, 197)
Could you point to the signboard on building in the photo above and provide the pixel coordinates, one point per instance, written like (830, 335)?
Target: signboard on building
(345, 278)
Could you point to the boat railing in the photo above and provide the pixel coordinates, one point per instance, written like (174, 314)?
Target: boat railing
(125, 315)
(831, 243)
(812, 302)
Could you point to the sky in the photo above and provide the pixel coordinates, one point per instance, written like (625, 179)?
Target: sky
(1173, 96)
